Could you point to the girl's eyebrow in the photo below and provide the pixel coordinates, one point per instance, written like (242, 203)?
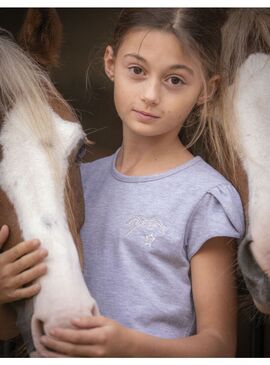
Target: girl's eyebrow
(174, 67)
(140, 58)
(182, 67)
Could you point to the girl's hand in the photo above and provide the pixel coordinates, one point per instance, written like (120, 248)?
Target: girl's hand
(96, 336)
(19, 266)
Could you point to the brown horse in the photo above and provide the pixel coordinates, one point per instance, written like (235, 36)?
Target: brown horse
(40, 186)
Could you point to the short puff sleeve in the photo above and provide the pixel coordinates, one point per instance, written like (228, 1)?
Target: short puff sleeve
(219, 213)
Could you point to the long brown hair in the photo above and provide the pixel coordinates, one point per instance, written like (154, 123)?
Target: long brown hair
(211, 35)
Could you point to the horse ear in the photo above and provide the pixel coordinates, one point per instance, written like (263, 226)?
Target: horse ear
(41, 36)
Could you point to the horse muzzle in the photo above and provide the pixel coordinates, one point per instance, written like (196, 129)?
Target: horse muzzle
(43, 326)
(63, 297)
(257, 281)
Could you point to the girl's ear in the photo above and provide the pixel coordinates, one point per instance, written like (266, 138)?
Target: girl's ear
(212, 86)
(109, 62)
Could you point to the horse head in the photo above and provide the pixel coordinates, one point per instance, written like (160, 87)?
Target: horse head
(244, 117)
(40, 186)
(250, 97)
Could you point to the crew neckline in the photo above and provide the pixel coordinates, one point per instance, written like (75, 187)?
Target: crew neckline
(127, 178)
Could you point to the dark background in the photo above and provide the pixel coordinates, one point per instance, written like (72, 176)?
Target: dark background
(86, 33)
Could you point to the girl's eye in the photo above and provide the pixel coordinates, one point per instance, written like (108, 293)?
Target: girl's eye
(136, 70)
(176, 81)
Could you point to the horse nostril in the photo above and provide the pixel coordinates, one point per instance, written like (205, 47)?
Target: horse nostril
(40, 328)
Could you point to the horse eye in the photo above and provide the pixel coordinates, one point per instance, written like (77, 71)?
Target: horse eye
(81, 153)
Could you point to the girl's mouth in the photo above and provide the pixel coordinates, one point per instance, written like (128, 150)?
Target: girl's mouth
(144, 116)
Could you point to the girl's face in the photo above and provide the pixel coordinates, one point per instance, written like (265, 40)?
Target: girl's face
(156, 83)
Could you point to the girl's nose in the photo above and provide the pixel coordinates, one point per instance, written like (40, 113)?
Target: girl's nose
(150, 92)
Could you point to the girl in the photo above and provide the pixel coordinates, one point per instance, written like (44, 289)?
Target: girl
(161, 223)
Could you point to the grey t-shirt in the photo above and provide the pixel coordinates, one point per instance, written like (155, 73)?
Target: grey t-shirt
(140, 234)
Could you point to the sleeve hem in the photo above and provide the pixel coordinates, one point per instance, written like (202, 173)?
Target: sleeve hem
(211, 235)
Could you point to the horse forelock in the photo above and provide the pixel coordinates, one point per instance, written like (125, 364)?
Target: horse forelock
(26, 87)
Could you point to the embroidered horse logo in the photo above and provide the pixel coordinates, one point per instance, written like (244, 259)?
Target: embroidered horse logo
(152, 227)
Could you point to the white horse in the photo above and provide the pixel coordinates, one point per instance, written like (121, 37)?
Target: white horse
(245, 119)
(251, 99)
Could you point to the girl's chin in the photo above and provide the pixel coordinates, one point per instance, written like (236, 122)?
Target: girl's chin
(142, 130)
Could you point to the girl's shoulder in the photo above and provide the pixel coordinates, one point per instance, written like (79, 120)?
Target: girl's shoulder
(96, 167)
(95, 173)
(209, 174)
(202, 178)
(213, 192)
(217, 209)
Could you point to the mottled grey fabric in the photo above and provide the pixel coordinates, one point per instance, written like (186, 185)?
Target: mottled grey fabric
(140, 234)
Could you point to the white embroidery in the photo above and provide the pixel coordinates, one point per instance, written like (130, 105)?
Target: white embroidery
(151, 227)
(149, 239)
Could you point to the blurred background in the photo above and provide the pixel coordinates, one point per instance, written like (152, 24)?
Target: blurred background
(86, 32)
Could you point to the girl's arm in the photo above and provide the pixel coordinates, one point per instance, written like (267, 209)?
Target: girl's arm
(215, 299)
(214, 293)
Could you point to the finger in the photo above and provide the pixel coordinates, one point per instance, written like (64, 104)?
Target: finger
(27, 261)
(25, 293)
(89, 322)
(75, 336)
(69, 348)
(21, 249)
(54, 346)
(48, 353)
(4, 232)
(27, 276)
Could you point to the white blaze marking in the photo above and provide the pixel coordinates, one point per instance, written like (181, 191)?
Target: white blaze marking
(27, 178)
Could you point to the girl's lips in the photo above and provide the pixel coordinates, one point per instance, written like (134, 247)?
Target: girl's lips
(144, 116)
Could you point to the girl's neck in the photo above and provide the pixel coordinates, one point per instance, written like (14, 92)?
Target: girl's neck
(149, 157)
